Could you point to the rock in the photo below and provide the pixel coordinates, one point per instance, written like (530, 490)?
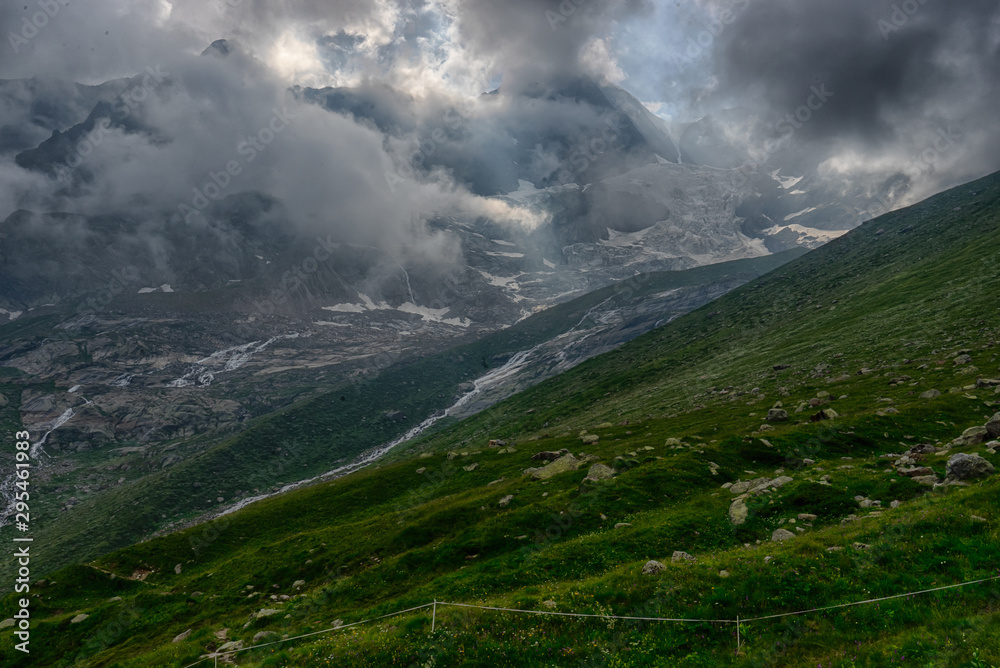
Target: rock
(298, 584)
(780, 535)
(860, 546)
(895, 504)
(672, 441)
(452, 455)
(915, 471)
(496, 443)
(929, 480)
(882, 412)
(777, 415)
(561, 465)
(421, 470)
(4, 401)
(738, 512)
(781, 367)
(987, 382)
(623, 525)
(971, 436)
(962, 359)
(806, 517)
(549, 605)
(505, 501)
(263, 635)
(993, 426)
(653, 568)
(530, 471)
(181, 636)
(977, 518)
(230, 646)
(968, 467)
(177, 569)
(79, 618)
(548, 455)
(922, 449)
(115, 599)
(930, 394)
(827, 414)
(835, 548)
(265, 612)
(471, 467)
(680, 556)
(600, 472)
(723, 574)
(495, 482)
(590, 439)
(337, 623)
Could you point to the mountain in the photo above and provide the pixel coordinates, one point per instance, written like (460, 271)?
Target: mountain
(763, 433)
(132, 433)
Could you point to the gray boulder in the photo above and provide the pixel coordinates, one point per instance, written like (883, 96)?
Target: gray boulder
(680, 556)
(971, 436)
(738, 512)
(600, 472)
(561, 465)
(930, 394)
(968, 467)
(777, 415)
(993, 426)
(780, 535)
(653, 568)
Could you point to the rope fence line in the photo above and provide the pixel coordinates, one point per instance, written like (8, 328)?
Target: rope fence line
(434, 605)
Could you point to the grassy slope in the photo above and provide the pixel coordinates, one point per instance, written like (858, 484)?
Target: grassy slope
(907, 290)
(311, 437)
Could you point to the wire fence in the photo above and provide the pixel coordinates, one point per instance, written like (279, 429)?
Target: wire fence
(737, 622)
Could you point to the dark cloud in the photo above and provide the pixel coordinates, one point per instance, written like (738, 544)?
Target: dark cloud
(899, 72)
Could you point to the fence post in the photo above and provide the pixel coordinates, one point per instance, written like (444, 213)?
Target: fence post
(737, 635)
(434, 615)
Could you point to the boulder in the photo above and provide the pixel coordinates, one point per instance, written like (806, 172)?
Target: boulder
(929, 480)
(262, 636)
(231, 646)
(780, 535)
(265, 612)
(968, 467)
(590, 439)
(915, 471)
(680, 556)
(930, 394)
(807, 517)
(298, 583)
(600, 472)
(561, 465)
(471, 467)
(496, 443)
(738, 512)
(79, 618)
(971, 436)
(962, 359)
(672, 441)
(506, 500)
(181, 636)
(993, 426)
(777, 415)
(548, 455)
(827, 414)
(653, 568)
(623, 525)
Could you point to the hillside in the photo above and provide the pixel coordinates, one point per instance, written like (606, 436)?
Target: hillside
(105, 497)
(850, 339)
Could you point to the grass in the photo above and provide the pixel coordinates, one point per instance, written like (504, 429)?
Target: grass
(899, 297)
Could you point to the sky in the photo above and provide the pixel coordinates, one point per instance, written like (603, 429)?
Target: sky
(907, 87)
